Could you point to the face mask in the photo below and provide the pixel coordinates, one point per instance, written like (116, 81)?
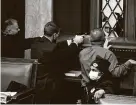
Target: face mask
(93, 75)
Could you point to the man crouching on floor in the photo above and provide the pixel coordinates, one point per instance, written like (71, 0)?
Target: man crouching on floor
(100, 80)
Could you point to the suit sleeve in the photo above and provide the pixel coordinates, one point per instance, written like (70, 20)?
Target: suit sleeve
(116, 69)
(61, 53)
(65, 53)
(62, 45)
(27, 43)
(107, 86)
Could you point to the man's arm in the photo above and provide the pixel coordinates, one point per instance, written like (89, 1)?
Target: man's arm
(62, 45)
(62, 55)
(119, 70)
(28, 42)
(107, 86)
(63, 52)
(68, 51)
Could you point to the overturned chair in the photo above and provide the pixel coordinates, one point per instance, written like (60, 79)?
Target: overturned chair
(22, 71)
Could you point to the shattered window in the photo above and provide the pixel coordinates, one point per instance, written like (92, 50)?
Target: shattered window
(113, 18)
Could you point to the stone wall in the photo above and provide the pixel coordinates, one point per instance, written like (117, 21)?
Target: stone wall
(37, 13)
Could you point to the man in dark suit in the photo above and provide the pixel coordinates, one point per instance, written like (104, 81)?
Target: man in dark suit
(54, 60)
(46, 50)
(11, 40)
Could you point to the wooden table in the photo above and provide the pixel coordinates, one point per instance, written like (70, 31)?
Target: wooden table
(117, 99)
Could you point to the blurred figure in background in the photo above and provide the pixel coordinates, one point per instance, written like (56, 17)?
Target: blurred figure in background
(11, 42)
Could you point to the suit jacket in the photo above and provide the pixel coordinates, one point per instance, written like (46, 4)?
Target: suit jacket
(56, 58)
(70, 55)
(39, 46)
(61, 59)
(12, 46)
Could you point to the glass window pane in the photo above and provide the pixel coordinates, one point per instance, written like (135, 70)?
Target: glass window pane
(112, 3)
(113, 18)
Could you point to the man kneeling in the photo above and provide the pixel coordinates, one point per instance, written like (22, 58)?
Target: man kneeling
(100, 80)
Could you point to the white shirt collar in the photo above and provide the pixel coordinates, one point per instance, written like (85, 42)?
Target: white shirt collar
(46, 37)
